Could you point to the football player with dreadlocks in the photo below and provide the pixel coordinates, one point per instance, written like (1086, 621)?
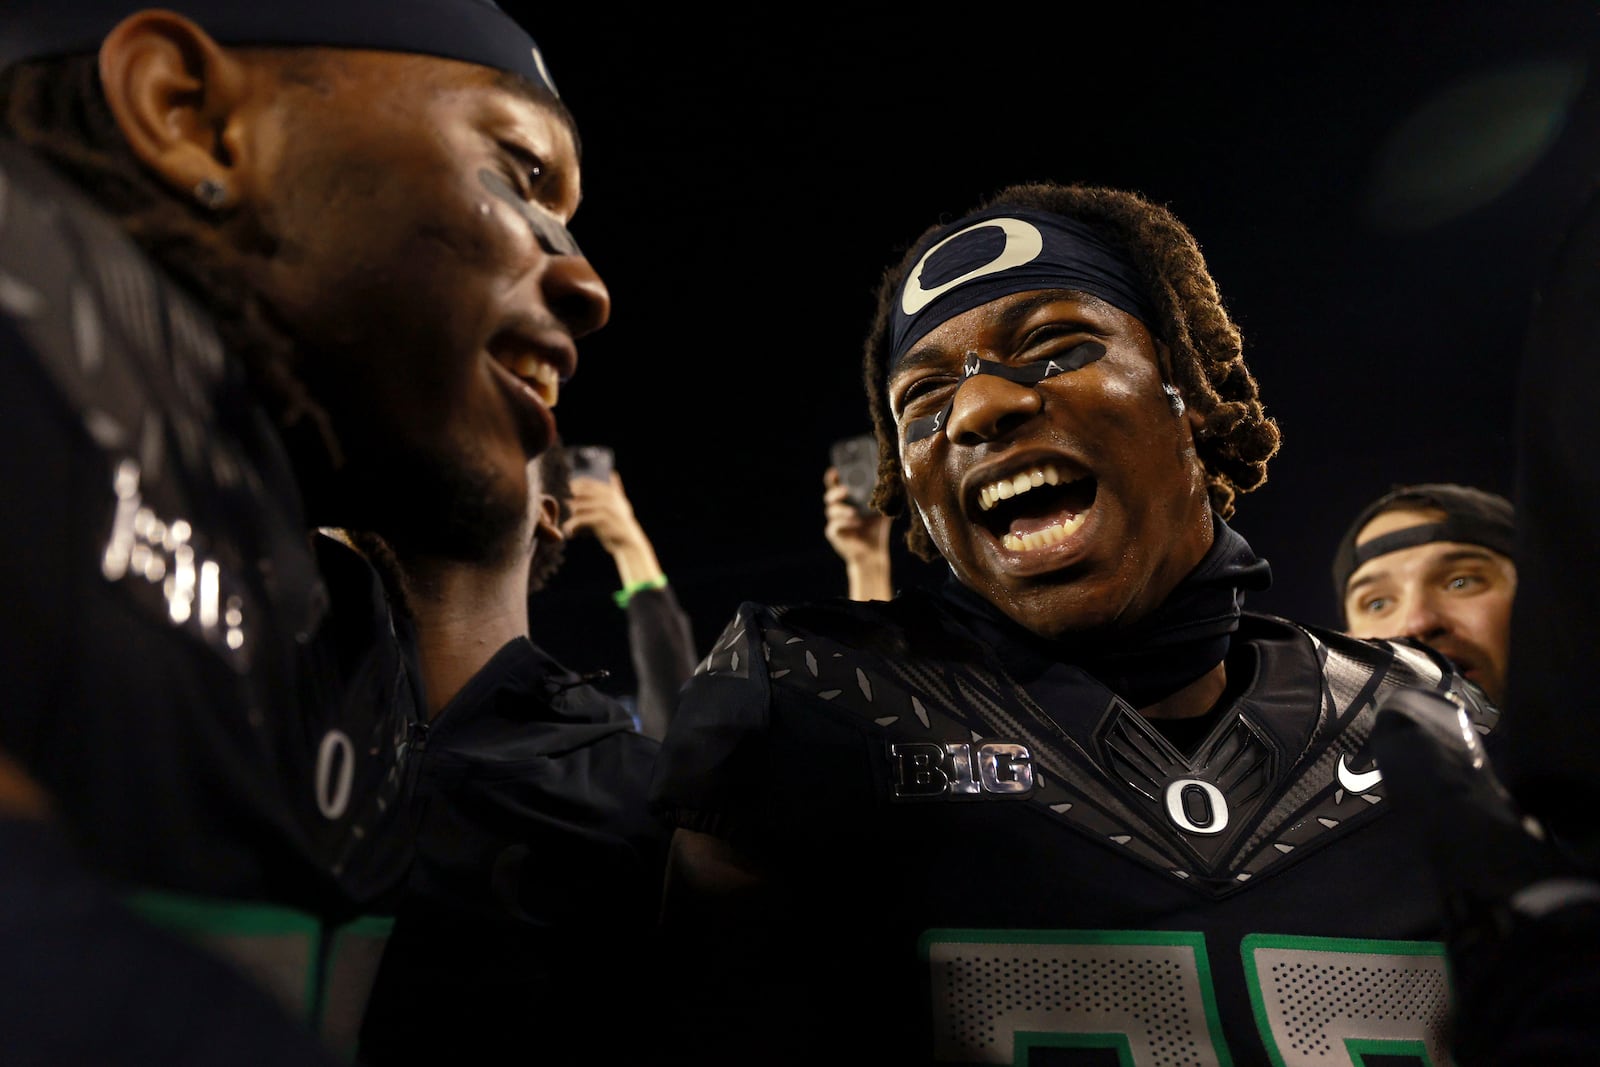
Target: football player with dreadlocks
(1075, 805)
(264, 268)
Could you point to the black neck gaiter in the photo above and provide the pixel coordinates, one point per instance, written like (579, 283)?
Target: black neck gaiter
(1156, 656)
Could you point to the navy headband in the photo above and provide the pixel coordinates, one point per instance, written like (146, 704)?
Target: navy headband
(998, 252)
(474, 31)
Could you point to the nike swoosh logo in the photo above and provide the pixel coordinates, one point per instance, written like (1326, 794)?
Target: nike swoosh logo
(1357, 783)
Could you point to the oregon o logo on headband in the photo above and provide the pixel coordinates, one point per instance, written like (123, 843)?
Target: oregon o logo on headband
(538, 61)
(1023, 244)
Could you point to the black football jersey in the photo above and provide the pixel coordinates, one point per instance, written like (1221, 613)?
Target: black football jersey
(215, 697)
(538, 877)
(982, 869)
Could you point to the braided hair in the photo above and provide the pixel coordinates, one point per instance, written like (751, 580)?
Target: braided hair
(56, 108)
(1205, 360)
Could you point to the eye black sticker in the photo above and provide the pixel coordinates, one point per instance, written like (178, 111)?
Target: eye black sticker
(552, 236)
(1079, 355)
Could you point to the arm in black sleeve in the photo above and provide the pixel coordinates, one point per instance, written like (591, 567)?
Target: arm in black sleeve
(661, 644)
(1552, 724)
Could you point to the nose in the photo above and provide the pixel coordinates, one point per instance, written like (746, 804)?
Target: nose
(575, 293)
(987, 406)
(1421, 620)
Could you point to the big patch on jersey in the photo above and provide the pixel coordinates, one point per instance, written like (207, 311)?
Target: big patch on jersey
(1281, 774)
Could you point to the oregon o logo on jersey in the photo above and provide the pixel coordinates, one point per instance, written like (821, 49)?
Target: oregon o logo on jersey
(1196, 806)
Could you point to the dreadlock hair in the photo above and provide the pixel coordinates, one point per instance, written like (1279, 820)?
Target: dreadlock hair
(1205, 360)
(56, 107)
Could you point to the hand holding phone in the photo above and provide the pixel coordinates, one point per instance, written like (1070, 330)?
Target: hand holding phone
(856, 459)
(592, 461)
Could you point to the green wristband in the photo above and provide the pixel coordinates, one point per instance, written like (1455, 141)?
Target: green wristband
(625, 594)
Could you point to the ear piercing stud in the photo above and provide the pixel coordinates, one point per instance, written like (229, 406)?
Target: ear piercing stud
(211, 193)
(1174, 398)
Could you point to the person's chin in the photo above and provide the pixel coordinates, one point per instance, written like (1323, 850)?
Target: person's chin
(442, 505)
(1066, 606)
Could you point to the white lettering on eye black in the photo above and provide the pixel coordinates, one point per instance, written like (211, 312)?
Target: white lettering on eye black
(1023, 244)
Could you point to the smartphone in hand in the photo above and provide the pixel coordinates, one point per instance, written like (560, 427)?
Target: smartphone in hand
(856, 459)
(591, 461)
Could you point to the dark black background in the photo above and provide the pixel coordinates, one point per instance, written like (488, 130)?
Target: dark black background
(1377, 187)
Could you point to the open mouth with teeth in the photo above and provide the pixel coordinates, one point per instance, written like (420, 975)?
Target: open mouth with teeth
(533, 359)
(1035, 508)
(532, 385)
(540, 376)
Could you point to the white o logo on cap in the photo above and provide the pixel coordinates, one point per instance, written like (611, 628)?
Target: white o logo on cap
(1023, 244)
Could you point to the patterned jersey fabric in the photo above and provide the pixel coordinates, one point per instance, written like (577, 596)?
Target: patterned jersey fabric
(982, 865)
(216, 699)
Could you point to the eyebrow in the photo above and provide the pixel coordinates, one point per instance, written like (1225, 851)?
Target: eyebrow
(1455, 555)
(511, 143)
(1357, 584)
(512, 82)
(928, 352)
(534, 93)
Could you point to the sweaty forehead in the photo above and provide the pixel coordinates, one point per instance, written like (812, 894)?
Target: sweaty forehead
(400, 89)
